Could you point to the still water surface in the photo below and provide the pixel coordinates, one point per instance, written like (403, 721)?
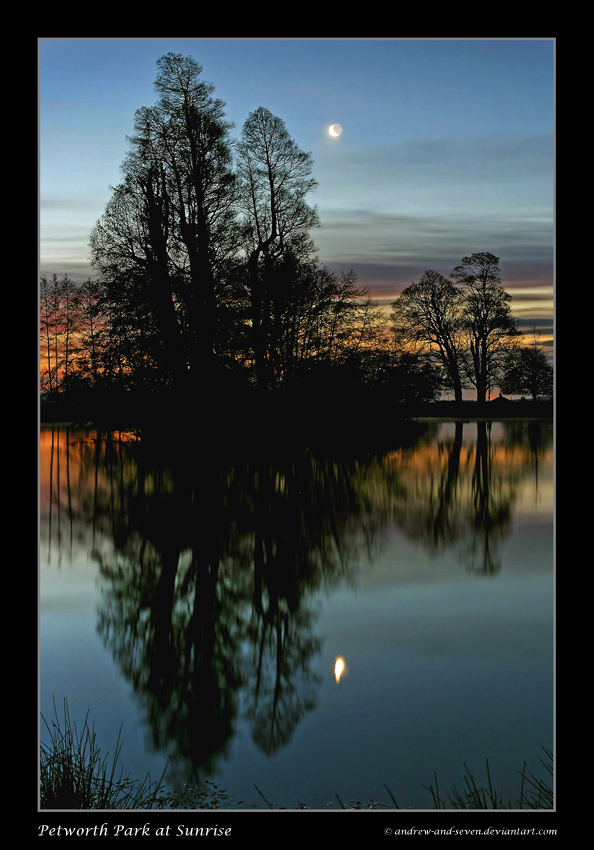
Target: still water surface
(201, 598)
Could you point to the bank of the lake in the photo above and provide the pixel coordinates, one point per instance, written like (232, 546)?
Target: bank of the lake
(295, 416)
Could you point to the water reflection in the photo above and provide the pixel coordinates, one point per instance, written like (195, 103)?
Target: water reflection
(211, 561)
(458, 493)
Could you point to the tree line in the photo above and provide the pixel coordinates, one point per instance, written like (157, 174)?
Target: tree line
(207, 276)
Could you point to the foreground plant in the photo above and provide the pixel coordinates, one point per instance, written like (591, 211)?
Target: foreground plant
(534, 793)
(74, 776)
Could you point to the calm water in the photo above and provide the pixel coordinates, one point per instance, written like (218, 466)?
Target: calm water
(201, 597)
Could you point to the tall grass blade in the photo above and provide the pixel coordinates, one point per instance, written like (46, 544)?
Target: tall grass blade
(396, 806)
(263, 797)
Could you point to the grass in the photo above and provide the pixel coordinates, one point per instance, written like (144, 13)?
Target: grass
(74, 775)
(534, 793)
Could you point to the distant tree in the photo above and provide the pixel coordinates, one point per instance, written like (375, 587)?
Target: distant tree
(486, 320)
(466, 327)
(413, 379)
(70, 326)
(274, 179)
(337, 319)
(50, 329)
(58, 331)
(92, 335)
(427, 322)
(527, 371)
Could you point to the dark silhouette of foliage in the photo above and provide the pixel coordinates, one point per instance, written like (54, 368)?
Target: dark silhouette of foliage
(527, 371)
(165, 235)
(488, 324)
(427, 321)
(466, 328)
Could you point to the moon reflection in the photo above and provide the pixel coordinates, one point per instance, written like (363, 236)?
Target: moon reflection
(339, 667)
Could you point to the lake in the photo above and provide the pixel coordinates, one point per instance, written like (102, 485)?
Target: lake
(198, 597)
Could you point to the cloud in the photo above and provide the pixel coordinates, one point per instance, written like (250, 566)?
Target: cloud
(74, 204)
(501, 157)
(366, 236)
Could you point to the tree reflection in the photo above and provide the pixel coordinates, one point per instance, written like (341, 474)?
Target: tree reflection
(459, 492)
(489, 517)
(211, 560)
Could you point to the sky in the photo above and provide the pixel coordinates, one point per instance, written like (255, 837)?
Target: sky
(447, 147)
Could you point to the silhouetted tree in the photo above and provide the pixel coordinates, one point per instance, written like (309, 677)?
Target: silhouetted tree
(50, 321)
(466, 327)
(165, 231)
(133, 261)
(527, 371)
(489, 326)
(206, 267)
(412, 379)
(427, 320)
(275, 177)
(89, 365)
(59, 308)
(321, 319)
(70, 326)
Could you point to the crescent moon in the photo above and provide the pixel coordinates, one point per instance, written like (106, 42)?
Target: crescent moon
(335, 129)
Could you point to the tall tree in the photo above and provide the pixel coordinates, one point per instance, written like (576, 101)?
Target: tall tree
(275, 178)
(195, 150)
(167, 225)
(487, 320)
(427, 321)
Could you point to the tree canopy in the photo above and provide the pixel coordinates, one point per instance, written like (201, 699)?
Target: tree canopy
(527, 371)
(465, 328)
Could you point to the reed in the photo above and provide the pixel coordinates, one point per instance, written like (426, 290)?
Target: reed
(73, 775)
(533, 793)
